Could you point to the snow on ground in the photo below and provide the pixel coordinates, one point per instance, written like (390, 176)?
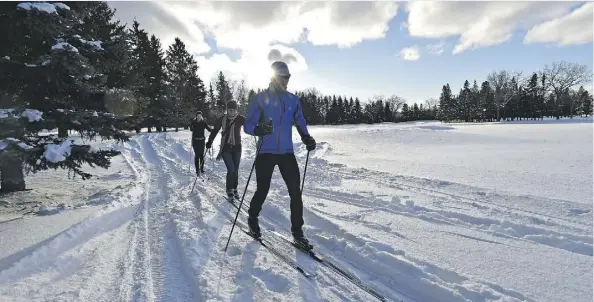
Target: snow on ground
(419, 211)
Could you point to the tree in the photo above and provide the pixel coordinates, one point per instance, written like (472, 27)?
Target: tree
(562, 75)
(501, 83)
(188, 93)
(586, 101)
(223, 89)
(446, 104)
(49, 77)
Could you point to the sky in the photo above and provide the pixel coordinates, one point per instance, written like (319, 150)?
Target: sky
(363, 49)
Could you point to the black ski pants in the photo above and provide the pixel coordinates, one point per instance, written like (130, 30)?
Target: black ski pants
(289, 170)
(198, 145)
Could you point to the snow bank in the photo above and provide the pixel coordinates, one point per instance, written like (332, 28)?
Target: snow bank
(57, 153)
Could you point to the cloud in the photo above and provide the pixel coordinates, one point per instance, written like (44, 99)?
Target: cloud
(161, 23)
(573, 28)
(240, 25)
(478, 24)
(436, 49)
(410, 53)
(258, 31)
(275, 55)
(252, 66)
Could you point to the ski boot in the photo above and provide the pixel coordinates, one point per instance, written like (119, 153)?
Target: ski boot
(236, 194)
(254, 228)
(230, 196)
(301, 242)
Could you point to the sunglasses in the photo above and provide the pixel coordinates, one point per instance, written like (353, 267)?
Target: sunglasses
(284, 77)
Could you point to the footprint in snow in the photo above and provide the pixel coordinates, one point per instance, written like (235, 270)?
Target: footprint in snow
(272, 281)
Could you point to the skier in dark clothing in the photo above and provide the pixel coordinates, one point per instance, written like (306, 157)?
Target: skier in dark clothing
(230, 147)
(197, 127)
(271, 116)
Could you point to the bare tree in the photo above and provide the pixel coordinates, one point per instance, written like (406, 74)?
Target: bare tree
(431, 103)
(395, 102)
(503, 88)
(562, 75)
(240, 92)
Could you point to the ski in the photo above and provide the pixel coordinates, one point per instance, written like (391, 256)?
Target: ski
(265, 243)
(268, 245)
(324, 262)
(334, 267)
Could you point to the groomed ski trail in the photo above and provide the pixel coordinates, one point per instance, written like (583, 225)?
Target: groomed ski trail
(126, 252)
(395, 275)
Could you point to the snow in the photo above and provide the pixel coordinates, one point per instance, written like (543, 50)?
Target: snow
(419, 211)
(61, 6)
(5, 113)
(64, 45)
(96, 44)
(57, 153)
(33, 115)
(40, 6)
(3, 145)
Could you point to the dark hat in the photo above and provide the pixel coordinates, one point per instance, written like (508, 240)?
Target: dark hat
(198, 112)
(232, 105)
(280, 68)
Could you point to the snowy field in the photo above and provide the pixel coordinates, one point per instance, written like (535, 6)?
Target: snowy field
(419, 211)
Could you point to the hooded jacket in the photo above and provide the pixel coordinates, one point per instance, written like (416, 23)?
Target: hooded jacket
(285, 110)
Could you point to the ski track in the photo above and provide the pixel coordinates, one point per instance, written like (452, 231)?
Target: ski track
(374, 262)
(161, 242)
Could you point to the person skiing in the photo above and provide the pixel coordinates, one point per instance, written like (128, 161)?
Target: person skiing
(230, 148)
(197, 126)
(270, 116)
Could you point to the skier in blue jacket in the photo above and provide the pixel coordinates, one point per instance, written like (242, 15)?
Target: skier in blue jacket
(270, 116)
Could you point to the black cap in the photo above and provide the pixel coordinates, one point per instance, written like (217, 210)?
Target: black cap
(232, 105)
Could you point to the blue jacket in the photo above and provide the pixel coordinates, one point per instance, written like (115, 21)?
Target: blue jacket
(284, 110)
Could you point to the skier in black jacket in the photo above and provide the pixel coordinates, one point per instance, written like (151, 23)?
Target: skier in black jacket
(197, 127)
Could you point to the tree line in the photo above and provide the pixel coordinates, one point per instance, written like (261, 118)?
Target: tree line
(507, 95)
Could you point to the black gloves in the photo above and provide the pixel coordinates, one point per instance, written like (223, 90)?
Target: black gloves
(264, 129)
(208, 145)
(310, 142)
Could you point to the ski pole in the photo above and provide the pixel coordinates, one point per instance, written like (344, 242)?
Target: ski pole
(244, 191)
(304, 171)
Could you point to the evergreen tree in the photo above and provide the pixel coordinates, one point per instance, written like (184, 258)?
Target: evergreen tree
(445, 104)
(211, 98)
(586, 101)
(47, 71)
(223, 92)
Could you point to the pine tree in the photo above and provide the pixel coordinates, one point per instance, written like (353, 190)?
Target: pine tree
(586, 101)
(387, 113)
(446, 104)
(211, 98)
(223, 92)
(358, 111)
(47, 70)
(188, 93)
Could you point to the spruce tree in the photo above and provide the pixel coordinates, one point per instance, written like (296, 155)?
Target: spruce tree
(224, 94)
(48, 73)
(188, 93)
